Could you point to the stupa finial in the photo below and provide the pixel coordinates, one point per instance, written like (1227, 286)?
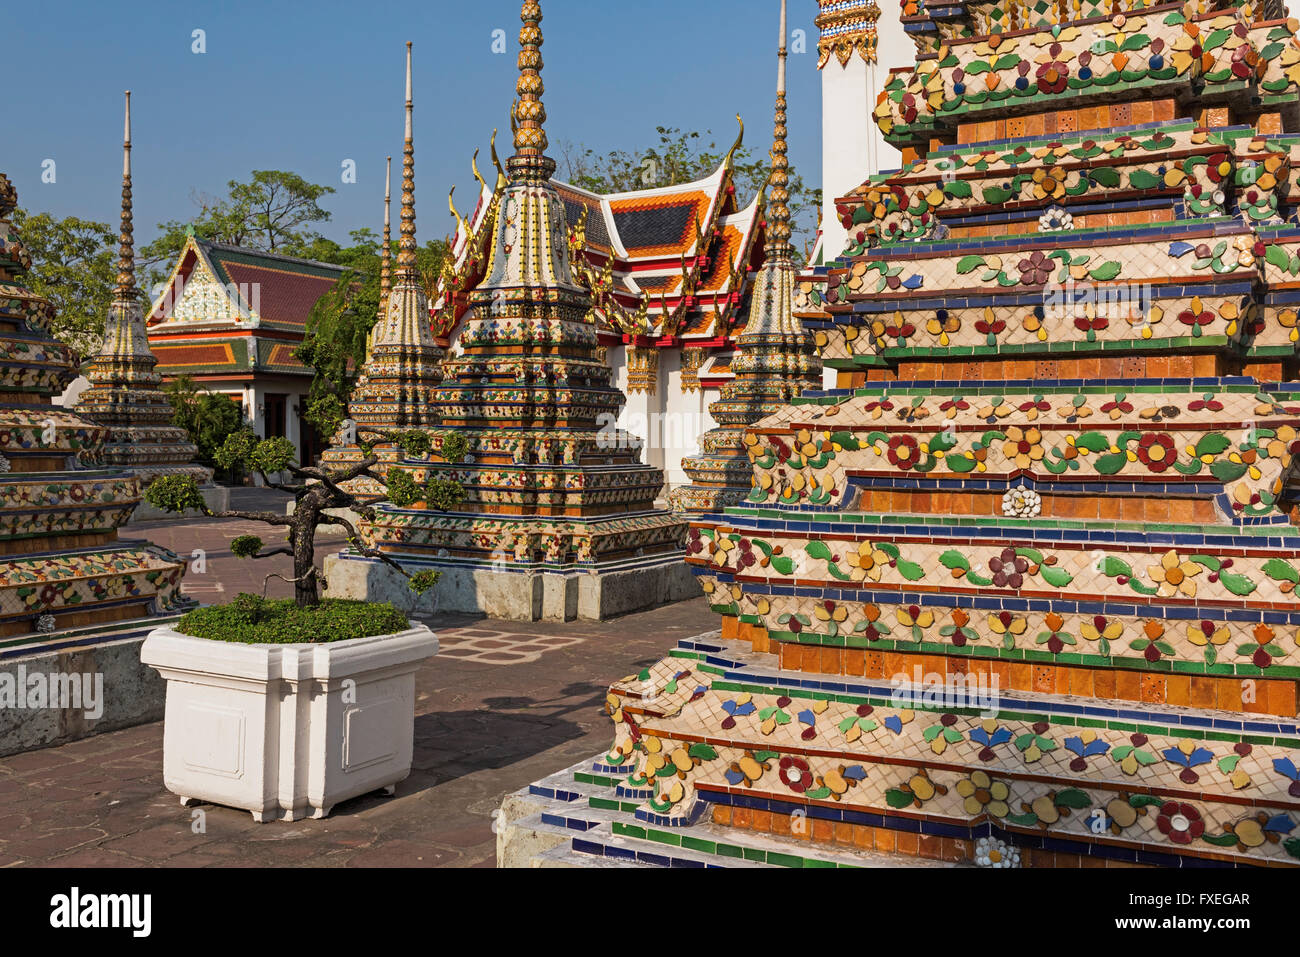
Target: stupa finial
(126, 238)
(778, 211)
(385, 252)
(406, 261)
(529, 159)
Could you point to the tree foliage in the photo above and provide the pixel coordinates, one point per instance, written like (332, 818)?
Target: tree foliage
(207, 417)
(274, 211)
(334, 343)
(74, 265)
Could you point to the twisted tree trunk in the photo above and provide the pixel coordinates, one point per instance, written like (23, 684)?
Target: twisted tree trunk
(302, 541)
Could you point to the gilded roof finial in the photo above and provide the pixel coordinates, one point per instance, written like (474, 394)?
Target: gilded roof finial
(778, 219)
(386, 256)
(729, 161)
(496, 161)
(406, 261)
(126, 250)
(529, 114)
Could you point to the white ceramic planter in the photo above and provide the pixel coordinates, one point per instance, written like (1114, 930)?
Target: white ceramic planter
(287, 730)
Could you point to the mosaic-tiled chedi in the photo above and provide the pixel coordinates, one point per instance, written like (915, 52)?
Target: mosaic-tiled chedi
(397, 385)
(1062, 458)
(549, 480)
(61, 566)
(774, 360)
(124, 394)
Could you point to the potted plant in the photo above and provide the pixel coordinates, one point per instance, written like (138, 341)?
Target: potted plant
(286, 707)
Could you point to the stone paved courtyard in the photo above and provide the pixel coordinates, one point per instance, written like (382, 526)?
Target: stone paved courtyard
(503, 704)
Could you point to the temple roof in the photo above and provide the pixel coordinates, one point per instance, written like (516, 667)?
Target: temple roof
(239, 288)
(685, 249)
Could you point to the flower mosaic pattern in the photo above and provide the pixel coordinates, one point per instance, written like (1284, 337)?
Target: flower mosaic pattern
(665, 714)
(926, 434)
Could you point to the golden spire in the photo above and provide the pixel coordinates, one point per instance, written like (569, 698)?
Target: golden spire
(778, 218)
(126, 250)
(406, 262)
(529, 114)
(385, 253)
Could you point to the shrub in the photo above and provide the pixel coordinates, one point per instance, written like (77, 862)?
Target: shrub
(252, 620)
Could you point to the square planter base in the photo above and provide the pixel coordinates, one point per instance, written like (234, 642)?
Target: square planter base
(287, 731)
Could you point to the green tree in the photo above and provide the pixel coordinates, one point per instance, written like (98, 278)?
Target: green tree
(207, 417)
(334, 342)
(317, 489)
(74, 265)
(272, 212)
(682, 157)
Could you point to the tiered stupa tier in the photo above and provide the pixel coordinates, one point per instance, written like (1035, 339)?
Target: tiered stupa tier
(124, 394)
(397, 385)
(775, 358)
(63, 572)
(1024, 587)
(551, 484)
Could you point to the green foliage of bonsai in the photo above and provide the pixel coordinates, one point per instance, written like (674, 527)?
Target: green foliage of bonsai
(454, 448)
(443, 494)
(245, 546)
(175, 493)
(317, 491)
(253, 620)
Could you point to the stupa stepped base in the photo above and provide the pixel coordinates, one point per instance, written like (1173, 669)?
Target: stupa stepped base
(86, 588)
(551, 541)
(578, 818)
(102, 659)
(518, 592)
(959, 771)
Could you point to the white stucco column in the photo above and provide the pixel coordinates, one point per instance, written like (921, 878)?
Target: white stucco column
(852, 145)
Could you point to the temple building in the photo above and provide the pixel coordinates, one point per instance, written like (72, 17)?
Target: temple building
(124, 394)
(1021, 591)
(559, 519)
(230, 318)
(68, 586)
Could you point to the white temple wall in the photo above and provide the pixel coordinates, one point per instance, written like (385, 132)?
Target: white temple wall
(679, 417)
(852, 145)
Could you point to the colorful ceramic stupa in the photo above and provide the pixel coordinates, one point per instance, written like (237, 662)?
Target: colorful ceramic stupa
(124, 394)
(559, 518)
(396, 387)
(1023, 590)
(72, 597)
(774, 359)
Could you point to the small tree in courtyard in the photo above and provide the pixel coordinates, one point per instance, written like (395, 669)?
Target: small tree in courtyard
(317, 489)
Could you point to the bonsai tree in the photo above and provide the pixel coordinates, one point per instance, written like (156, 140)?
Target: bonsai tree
(316, 489)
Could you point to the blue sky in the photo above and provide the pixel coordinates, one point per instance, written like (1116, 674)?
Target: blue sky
(287, 84)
